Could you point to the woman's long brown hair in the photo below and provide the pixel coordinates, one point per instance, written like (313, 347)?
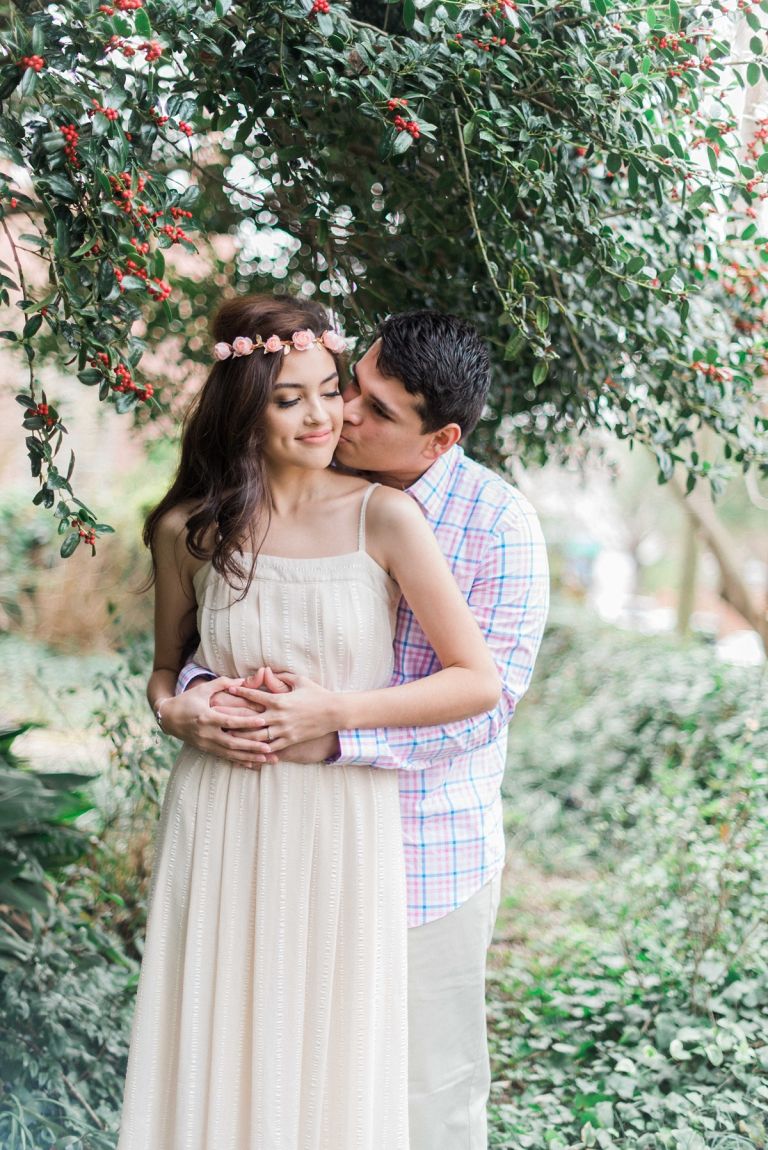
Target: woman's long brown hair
(221, 470)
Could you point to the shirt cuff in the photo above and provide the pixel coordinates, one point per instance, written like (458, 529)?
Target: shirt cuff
(366, 748)
(189, 672)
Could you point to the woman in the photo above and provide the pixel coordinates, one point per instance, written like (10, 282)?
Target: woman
(271, 1007)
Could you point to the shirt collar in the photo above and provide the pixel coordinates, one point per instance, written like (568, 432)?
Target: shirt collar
(431, 489)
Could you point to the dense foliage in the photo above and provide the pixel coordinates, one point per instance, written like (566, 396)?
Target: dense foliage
(645, 1026)
(66, 981)
(568, 174)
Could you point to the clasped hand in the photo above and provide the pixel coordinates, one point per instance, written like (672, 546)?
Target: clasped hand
(291, 708)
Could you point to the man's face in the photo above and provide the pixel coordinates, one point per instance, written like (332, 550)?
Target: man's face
(382, 429)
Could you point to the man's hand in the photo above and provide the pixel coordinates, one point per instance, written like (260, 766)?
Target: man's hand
(313, 751)
(225, 728)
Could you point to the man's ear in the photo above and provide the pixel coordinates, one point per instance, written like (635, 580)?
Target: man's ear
(442, 440)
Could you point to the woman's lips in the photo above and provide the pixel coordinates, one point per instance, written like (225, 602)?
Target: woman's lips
(316, 436)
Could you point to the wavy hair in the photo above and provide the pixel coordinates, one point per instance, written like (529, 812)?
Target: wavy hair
(221, 470)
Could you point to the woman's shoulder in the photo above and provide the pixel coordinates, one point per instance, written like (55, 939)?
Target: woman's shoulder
(388, 507)
(173, 522)
(170, 536)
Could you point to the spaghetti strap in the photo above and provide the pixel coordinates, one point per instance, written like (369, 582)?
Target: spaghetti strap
(361, 525)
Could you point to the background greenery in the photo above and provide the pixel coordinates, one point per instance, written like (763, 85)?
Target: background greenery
(629, 983)
(583, 179)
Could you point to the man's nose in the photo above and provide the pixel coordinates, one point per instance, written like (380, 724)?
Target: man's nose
(352, 413)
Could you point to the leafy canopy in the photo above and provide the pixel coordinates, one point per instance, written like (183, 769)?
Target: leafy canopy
(570, 175)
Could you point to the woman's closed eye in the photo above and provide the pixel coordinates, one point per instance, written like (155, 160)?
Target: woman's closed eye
(292, 402)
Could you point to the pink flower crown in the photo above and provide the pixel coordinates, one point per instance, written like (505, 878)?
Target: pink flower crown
(300, 340)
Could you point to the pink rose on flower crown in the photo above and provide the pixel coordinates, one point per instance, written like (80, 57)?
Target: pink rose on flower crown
(274, 343)
(303, 340)
(333, 341)
(242, 345)
(222, 351)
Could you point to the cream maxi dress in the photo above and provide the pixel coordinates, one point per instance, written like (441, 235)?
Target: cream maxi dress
(271, 1010)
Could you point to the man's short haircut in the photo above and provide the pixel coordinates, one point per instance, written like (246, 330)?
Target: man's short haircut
(442, 360)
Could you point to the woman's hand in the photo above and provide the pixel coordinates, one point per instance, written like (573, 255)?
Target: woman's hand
(293, 709)
(202, 718)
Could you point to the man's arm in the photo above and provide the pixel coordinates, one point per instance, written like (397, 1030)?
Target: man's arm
(509, 599)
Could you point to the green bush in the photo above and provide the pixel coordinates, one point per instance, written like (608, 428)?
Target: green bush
(66, 981)
(645, 1027)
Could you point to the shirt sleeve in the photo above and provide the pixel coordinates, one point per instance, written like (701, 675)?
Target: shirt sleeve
(509, 598)
(189, 672)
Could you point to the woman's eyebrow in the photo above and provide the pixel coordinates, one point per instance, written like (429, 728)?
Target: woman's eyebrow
(328, 378)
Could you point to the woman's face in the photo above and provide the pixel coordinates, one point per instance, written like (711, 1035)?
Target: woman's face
(303, 418)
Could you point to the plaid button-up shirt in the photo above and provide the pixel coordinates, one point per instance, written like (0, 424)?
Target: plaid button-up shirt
(450, 776)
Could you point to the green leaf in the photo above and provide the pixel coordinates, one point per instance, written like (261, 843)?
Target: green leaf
(674, 14)
(697, 198)
(540, 372)
(514, 345)
(32, 326)
(753, 73)
(409, 14)
(141, 20)
(762, 162)
(61, 187)
(756, 45)
(70, 544)
(403, 141)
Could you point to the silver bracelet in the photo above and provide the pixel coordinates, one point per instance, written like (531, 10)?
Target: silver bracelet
(158, 716)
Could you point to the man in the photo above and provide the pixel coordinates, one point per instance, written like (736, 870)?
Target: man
(416, 392)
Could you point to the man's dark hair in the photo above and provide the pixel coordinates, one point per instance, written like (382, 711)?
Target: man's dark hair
(440, 359)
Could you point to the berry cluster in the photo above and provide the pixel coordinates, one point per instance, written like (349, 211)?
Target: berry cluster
(158, 288)
(181, 214)
(320, 7)
(718, 374)
(396, 102)
(151, 48)
(42, 410)
(754, 148)
(409, 126)
(87, 534)
(141, 248)
(36, 63)
(71, 139)
(124, 381)
(494, 42)
(174, 233)
(186, 128)
(123, 194)
(159, 120)
(111, 113)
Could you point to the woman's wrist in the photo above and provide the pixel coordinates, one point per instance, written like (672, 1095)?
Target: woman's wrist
(342, 711)
(157, 709)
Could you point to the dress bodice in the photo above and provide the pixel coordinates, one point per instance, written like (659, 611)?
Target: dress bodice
(329, 618)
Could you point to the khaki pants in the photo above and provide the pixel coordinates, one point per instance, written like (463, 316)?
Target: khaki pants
(449, 1073)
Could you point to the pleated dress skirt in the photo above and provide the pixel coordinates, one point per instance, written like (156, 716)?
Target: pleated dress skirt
(271, 1011)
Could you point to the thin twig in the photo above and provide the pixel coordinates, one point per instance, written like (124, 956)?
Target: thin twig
(574, 340)
(472, 212)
